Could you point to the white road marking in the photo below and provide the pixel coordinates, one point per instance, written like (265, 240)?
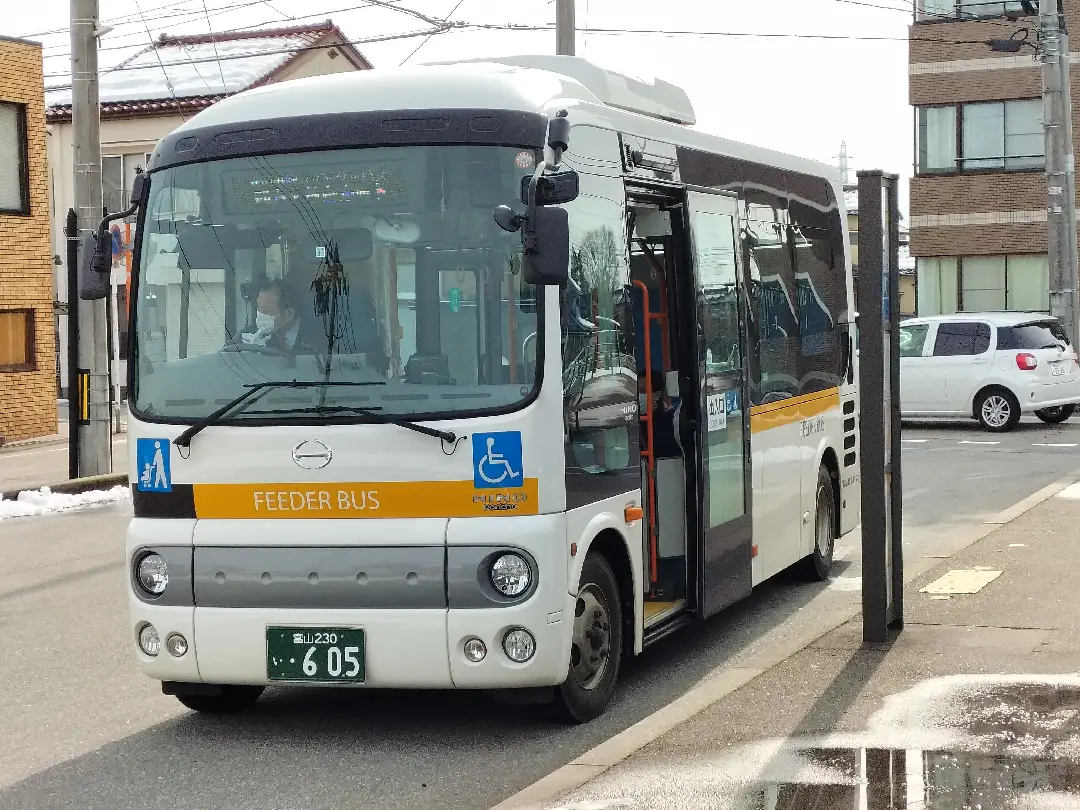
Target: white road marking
(915, 441)
(1047, 444)
(965, 441)
(1017, 545)
(1070, 493)
(962, 581)
(914, 493)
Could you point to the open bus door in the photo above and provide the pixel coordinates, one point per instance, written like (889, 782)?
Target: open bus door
(722, 441)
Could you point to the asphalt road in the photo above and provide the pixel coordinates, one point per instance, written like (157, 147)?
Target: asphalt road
(83, 729)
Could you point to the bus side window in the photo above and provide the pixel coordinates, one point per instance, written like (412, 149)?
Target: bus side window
(599, 373)
(772, 275)
(822, 295)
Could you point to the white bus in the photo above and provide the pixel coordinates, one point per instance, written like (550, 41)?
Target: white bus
(482, 375)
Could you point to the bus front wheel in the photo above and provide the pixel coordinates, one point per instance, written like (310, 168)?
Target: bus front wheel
(596, 649)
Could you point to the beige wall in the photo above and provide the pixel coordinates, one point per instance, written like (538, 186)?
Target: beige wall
(28, 397)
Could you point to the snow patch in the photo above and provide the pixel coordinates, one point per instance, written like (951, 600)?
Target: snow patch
(44, 501)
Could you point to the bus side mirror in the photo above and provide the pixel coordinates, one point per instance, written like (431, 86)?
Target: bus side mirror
(552, 189)
(547, 247)
(138, 189)
(95, 268)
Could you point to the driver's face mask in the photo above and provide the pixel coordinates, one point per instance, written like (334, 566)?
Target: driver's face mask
(264, 321)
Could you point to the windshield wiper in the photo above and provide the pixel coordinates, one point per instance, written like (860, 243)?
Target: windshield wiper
(235, 404)
(374, 415)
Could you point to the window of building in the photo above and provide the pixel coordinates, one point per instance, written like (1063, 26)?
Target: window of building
(998, 135)
(14, 170)
(17, 340)
(936, 291)
(966, 9)
(980, 283)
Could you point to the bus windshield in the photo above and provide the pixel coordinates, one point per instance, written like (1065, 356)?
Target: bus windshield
(380, 271)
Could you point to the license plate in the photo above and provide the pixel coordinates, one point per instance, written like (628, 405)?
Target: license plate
(315, 654)
(1057, 369)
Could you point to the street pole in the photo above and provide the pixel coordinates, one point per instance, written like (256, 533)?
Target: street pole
(95, 436)
(1060, 172)
(74, 408)
(564, 27)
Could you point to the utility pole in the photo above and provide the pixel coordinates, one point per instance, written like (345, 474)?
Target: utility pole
(1060, 171)
(95, 435)
(564, 27)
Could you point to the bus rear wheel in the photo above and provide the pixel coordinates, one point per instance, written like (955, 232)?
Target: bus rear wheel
(596, 649)
(820, 561)
(229, 700)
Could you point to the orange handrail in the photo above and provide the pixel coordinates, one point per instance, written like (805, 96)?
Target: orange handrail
(647, 452)
(511, 327)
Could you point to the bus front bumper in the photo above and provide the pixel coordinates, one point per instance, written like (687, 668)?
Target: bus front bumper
(417, 605)
(410, 649)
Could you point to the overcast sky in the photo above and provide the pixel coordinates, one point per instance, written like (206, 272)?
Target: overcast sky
(842, 75)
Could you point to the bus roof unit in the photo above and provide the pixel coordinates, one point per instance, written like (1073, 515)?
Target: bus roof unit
(652, 97)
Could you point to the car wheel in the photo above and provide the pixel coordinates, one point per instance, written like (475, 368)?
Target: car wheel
(596, 649)
(231, 699)
(816, 567)
(1056, 415)
(997, 410)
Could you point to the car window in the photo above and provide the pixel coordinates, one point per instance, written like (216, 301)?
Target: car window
(1034, 335)
(912, 339)
(961, 338)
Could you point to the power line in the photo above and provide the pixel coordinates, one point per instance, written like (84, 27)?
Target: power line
(761, 34)
(221, 70)
(429, 36)
(444, 27)
(302, 49)
(178, 19)
(194, 13)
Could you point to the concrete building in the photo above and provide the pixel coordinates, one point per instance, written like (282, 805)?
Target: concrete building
(27, 337)
(149, 95)
(978, 197)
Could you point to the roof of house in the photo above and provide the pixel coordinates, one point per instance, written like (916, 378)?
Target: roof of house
(187, 73)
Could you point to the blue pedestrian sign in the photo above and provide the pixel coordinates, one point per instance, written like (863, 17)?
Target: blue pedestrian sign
(152, 465)
(497, 460)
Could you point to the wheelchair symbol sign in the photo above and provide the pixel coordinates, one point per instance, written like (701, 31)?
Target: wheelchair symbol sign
(497, 460)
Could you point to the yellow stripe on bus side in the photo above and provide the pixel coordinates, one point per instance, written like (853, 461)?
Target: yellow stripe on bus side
(395, 499)
(796, 409)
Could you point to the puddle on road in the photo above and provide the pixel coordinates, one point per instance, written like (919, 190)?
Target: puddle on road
(964, 743)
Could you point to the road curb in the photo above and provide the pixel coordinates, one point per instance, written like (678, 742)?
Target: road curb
(727, 679)
(73, 486)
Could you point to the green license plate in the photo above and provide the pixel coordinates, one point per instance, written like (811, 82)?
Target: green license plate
(315, 654)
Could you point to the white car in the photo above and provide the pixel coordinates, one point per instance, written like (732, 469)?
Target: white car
(991, 366)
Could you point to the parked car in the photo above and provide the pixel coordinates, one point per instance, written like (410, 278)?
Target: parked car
(991, 366)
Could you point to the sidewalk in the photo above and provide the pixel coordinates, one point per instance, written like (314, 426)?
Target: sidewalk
(808, 729)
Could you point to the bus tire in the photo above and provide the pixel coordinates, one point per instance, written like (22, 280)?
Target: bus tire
(231, 699)
(819, 563)
(596, 648)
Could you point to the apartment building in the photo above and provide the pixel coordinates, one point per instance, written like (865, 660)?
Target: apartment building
(27, 337)
(978, 195)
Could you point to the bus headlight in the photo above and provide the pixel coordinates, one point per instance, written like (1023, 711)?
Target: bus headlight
(149, 640)
(511, 575)
(519, 645)
(152, 574)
